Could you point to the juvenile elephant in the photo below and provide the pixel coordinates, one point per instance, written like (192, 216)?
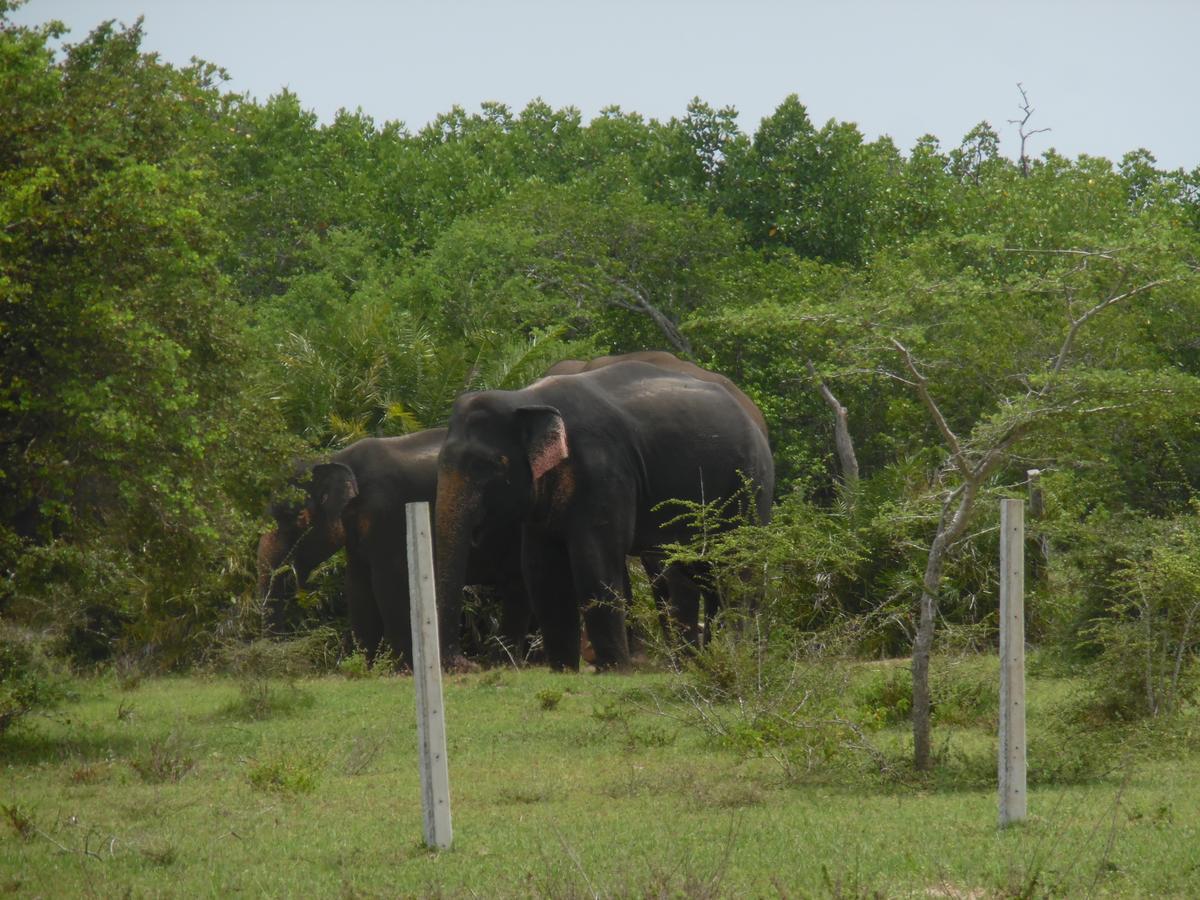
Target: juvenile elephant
(676, 594)
(585, 465)
(357, 500)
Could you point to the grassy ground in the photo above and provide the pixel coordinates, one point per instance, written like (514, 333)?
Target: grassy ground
(562, 786)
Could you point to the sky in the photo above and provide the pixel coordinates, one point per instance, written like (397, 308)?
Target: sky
(1106, 77)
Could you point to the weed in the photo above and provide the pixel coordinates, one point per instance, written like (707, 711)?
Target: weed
(850, 886)
(525, 794)
(714, 794)
(966, 694)
(492, 678)
(883, 695)
(267, 671)
(283, 772)
(163, 855)
(166, 760)
(364, 749)
(549, 698)
(354, 666)
(90, 773)
(21, 822)
(651, 735)
(259, 700)
(610, 710)
(129, 672)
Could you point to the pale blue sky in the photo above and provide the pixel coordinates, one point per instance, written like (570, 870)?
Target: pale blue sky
(1105, 76)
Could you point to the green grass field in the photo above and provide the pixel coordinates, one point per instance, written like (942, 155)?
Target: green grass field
(562, 786)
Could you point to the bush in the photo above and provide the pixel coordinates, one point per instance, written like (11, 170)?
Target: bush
(167, 759)
(266, 671)
(963, 694)
(29, 681)
(780, 698)
(883, 695)
(1150, 635)
(282, 772)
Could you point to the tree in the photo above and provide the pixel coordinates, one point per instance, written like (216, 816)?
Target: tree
(808, 189)
(1040, 392)
(128, 430)
(607, 264)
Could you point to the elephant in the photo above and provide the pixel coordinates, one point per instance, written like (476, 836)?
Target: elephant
(676, 595)
(357, 500)
(585, 466)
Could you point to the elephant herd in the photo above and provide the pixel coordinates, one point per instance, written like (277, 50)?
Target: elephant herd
(542, 494)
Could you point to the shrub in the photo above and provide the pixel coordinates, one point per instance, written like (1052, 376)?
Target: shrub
(780, 698)
(165, 760)
(1150, 634)
(285, 772)
(29, 680)
(266, 671)
(354, 666)
(883, 695)
(965, 693)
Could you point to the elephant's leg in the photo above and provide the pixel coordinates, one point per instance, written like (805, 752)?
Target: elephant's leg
(547, 571)
(602, 586)
(588, 651)
(389, 583)
(633, 634)
(366, 625)
(684, 596)
(516, 615)
(656, 572)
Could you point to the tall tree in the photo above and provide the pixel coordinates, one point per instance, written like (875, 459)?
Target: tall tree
(124, 413)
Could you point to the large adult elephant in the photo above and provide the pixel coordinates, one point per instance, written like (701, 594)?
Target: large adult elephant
(586, 466)
(357, 500)
(677, 595)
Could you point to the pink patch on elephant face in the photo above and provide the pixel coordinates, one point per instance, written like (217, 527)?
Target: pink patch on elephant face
(551, 452)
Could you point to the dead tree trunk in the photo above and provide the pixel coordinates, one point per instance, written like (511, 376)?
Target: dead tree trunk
(844, 443)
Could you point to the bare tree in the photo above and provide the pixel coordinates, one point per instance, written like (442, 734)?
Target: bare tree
(1021, 123)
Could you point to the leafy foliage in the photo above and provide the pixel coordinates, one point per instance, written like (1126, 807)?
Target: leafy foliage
(201, 288)
(29, 680)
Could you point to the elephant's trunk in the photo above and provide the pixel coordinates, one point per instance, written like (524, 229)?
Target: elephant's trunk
(457, 514)
(276, 587)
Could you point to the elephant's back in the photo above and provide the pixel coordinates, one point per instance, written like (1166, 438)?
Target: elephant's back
(668, 362)
(644, 389)
(691, 438)
(665, 413)
(400, 469)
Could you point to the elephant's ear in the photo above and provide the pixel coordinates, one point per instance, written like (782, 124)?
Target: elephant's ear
(333, 486)
(545, 436)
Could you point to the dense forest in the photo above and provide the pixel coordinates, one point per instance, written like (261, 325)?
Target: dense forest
(197, 288)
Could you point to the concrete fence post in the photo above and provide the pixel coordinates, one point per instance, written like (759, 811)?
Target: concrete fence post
(1012, 662)
(427, 676)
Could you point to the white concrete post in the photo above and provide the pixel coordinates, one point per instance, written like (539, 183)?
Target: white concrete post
(427, 675)
(1012, 662)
